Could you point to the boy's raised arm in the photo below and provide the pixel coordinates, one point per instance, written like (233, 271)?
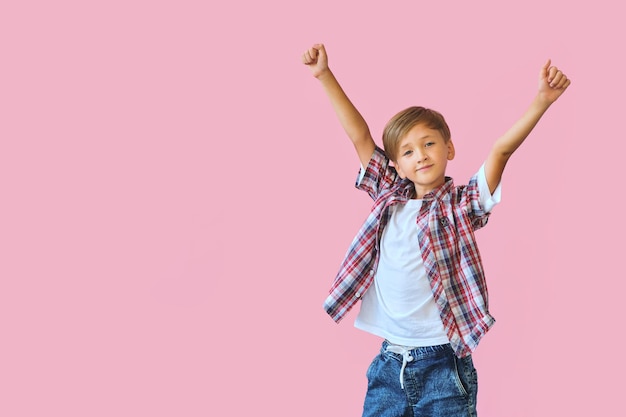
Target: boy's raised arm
(552, 83)
(351, 120)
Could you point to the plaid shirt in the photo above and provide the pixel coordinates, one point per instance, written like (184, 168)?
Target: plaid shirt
(446, 224)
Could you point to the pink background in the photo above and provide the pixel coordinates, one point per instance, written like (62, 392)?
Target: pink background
(166, 168)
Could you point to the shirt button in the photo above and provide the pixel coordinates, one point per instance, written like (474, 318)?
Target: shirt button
(372, 272)
(358, 295)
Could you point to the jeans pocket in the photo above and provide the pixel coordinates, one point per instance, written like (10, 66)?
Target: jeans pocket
(370, 373)
(459, 376)
(466, 375)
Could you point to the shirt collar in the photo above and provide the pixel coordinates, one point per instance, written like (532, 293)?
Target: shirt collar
(406, 189)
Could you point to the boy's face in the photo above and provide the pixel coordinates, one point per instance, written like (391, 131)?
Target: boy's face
(422, 157)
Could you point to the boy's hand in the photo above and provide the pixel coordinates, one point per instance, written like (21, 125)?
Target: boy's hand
(315, 57)
(552, 83)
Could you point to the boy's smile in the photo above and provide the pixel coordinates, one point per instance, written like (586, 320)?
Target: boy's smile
(422, 157)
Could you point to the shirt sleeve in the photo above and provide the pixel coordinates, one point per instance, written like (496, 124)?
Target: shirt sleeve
(378, 176)
(360, 177)
(487, 200)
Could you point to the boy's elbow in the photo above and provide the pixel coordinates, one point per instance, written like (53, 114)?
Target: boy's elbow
(505, 155)
(360, 138)
(501, 154)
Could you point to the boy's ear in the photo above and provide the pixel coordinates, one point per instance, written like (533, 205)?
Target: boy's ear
(451, 151)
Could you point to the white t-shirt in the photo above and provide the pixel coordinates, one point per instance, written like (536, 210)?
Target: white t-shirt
(399, 305)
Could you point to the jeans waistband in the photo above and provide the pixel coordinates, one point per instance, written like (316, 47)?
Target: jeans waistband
(417, 352)
(410, 353)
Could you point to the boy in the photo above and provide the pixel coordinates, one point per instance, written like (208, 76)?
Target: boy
(414, 264)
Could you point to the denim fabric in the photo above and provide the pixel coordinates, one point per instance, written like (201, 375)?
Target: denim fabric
(436, 384)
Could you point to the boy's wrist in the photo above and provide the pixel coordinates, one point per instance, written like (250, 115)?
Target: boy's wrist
(324, 75)
(540, 103)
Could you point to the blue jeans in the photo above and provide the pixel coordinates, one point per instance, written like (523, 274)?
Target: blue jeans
(436, 384)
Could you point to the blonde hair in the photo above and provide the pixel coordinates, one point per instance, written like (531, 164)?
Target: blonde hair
(401, 123)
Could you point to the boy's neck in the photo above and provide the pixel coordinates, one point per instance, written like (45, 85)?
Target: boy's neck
(420, 192)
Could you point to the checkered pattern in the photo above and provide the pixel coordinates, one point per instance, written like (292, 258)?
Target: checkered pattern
(446, 224)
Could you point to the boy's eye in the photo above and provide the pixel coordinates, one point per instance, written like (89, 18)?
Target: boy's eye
(407, 153)
(429, 144)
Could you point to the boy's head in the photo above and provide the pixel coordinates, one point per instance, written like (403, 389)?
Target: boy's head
(404, 121)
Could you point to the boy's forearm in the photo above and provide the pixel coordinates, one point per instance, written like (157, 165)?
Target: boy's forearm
(350, 118)
(515, 136)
